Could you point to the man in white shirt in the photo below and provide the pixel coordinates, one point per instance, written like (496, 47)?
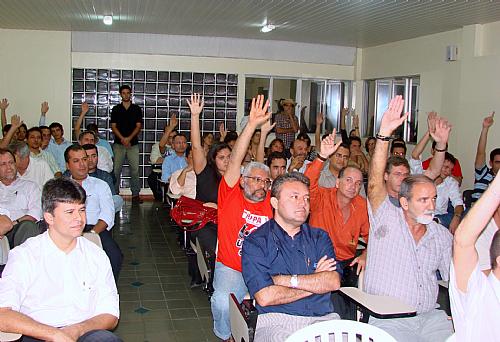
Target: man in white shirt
(19, 201)
(99, 204)
(105, 160)
(58, 286)
(33, 169)
(475, 297)
(34, 141)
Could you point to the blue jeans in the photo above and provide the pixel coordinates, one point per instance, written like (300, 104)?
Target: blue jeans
(226, 281)
(132, 154)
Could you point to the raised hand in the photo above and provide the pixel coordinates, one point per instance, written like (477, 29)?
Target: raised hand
(320, 117)
(196, 104)
(222, 131)
(441, 130)
(85, 108)
(392, 118)
(488, 121)
(4, 104)
(355, 120)
(173, 121)
(266, 128)
(259, 112)
(328, 145)
(44, 108)
(15, 121)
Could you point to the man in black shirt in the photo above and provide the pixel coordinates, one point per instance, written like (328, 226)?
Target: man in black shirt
(126, 123)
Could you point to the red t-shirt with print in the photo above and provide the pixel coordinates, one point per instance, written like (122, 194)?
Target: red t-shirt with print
(237, 218)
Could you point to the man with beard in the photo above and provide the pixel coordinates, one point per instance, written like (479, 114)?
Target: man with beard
(290, 284)
(298, 161)
(406, 246)
(243, 206)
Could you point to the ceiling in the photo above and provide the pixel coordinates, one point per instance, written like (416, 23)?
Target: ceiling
(349, 23)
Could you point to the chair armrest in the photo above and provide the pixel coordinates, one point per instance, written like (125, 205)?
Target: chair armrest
(239, 325)
(443, 283)
(379, 306)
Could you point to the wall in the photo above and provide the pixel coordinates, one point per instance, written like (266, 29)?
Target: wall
(464, 91)
(36, 67)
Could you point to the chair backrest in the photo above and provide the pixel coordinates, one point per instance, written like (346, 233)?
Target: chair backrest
(340, 330)
(93, 237)
(361, 279)
(4, 250)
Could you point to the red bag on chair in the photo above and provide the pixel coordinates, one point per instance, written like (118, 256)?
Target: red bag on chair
(188, 213)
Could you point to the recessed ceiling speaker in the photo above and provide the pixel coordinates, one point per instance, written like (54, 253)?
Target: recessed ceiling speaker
(451, 53)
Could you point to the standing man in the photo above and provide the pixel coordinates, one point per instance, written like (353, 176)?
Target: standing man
(287, 124)
(126, 123)
(58, 145)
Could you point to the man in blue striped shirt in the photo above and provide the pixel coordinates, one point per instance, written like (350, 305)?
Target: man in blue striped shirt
(484, 174)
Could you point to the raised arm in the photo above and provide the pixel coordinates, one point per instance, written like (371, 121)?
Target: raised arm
(317, 133)
(440, 131)
(420, 146)
(264, 132)
(78, 124)
(464, 252)
(222, 132)
(199, 157)
(258, 115)
(172, 124)
(391, 120)
(44, 108)
(3, 111)
(483, 139)
(343, 132)
(355, 122)
(16, 122)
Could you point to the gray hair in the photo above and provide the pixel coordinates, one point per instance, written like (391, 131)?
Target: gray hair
(293, 176)
(20, 148)
(409, 183)
(254, 165)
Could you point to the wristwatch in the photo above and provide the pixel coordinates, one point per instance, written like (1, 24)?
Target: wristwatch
(294, 281)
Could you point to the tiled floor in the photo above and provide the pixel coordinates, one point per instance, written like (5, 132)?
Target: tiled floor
(156, 302)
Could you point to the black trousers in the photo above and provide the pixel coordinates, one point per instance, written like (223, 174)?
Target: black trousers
(111, 249)
(91, 336)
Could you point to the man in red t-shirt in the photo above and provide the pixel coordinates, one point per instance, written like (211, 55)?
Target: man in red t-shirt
(243, 206)
(456, 172)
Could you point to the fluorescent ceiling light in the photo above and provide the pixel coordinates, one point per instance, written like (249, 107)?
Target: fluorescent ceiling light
(267, 28)
(108, 20)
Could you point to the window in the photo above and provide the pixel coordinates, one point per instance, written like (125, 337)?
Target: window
(313, 96)
(379, 92)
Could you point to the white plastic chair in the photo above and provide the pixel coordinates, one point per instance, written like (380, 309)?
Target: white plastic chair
(7, 337)
(340, 330)
(4, 250)
(93, 237)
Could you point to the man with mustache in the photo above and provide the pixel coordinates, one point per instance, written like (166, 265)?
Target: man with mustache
(406, 246)
(298, 161)
(243, 206)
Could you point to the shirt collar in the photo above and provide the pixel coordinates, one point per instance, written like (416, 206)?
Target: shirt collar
(53, 249)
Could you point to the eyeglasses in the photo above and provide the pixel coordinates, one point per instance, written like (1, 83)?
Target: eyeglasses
(266, 181)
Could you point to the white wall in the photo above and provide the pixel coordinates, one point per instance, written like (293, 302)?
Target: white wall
(464, 91)
(36, 67)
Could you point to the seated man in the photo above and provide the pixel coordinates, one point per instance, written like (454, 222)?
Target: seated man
(406, 246)
(164, 148)
(183, 181)
(336, 162)
(276, 161)
(34, 141)
(94, 171)
(298, 160)
(33, 169)
(484, 174)
(176, 160)
(99, 204)
(456, 172)
(290, 284)
(357, 157)
(243, 206)
(342, 213)
(474, 297)
(58, 144)
(19, 200)
(58, 286)
(105, 160)
(46, 136)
